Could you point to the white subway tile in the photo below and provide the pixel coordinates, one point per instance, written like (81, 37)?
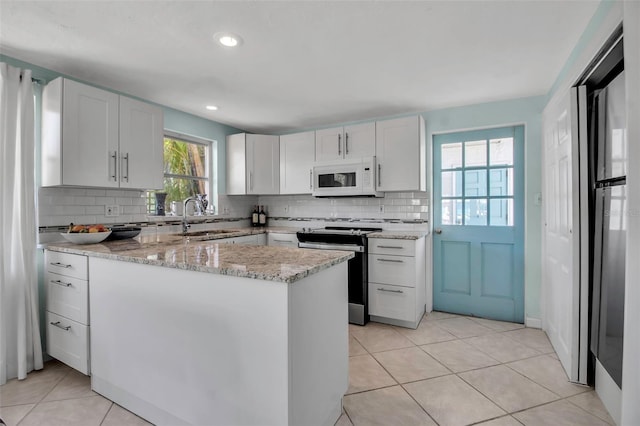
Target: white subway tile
(73, 210)
(74, 191)
(94, 210)
(96, 192)
(123, 201)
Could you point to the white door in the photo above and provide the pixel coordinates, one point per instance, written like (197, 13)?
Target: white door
(141, 145)
(329, 144)
(360, 140)
(236, 164)
(561, 292)
(297, 154)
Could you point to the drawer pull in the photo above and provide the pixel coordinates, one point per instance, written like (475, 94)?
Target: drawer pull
(282, 241)
(391, 247)
(391, 260)
(60, 265)
(57, 324)
(61, 283)
(390, 291)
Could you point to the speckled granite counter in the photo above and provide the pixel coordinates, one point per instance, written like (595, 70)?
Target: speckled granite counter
(399, 235)
(279, 264)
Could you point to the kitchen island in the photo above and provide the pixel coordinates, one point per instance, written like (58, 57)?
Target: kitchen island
(202, 332)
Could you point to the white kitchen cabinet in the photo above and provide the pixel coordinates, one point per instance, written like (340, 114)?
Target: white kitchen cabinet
(297, 155)
(282, 239)
(67, 302)
(401, 154)
(348, 142)
(253, 164)
(141, 145)
(397, 281)
(92, 137)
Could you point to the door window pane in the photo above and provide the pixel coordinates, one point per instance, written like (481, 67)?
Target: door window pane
(475, 212)
(501, 152)
(452, 212)
(501, 182)
(475, 153)
(475, 183)
(451, 184)
(451, 155)
(501, 212)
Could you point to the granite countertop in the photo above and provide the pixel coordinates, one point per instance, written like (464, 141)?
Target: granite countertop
(399, 235)
(280, 264)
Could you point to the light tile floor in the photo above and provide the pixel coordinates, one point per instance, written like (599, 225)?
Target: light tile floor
(456, 370)
(451, 370)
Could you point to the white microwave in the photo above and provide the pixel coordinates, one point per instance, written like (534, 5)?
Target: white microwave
(348, 178)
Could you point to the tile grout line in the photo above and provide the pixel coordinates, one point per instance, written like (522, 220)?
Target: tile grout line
(44, 396)
(107, 413)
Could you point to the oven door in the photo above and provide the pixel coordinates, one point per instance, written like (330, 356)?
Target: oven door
(357, 278)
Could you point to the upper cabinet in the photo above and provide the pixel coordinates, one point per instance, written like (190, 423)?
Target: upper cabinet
(253, 164)
(296, 163)
(401, 154)
(91, 137)
(348, 142)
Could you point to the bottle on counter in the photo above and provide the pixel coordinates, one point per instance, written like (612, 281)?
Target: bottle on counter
(263, 217)
(255, 216)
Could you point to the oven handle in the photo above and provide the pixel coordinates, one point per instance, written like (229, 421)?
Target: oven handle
(320, 246)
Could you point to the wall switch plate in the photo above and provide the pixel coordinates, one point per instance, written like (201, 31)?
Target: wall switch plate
(538, 200)
(113, 210)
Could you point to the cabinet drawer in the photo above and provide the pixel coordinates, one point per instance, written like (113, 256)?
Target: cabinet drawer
(284, 240)
(68, 341)
(396, 270)
(68, 296)
(70, 265)
(393, 247)
(392, 301)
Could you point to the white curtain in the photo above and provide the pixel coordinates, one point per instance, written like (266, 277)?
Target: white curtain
(20, 347)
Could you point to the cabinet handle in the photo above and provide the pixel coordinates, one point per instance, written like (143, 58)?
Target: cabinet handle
(115, 166)
(391, 260)
(346, 143)
(379, 174)
(339, 144)
(390, 291)
(281, 241)
(61, 283)
(60, 265)
(57, 324)
(390, 247)
(125, 177)
(311, 179)
(250, 181)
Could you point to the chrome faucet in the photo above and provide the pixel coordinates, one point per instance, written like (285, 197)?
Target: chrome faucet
(199, 211)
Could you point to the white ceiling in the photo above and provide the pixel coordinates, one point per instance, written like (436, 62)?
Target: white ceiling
(303, 64)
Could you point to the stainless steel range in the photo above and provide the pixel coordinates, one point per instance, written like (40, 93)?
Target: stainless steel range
(348, 239)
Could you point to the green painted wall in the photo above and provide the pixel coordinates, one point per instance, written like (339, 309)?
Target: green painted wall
(527, 111)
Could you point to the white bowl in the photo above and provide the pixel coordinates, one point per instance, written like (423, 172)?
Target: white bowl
(85, 237)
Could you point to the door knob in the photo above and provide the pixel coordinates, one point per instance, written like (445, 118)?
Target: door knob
(438, 231)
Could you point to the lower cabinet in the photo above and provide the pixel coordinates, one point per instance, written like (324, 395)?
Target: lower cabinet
(282, 239)
(397, 281)
(256, 239)
(67, 316)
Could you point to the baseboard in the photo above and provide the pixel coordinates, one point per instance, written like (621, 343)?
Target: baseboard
(533, 322)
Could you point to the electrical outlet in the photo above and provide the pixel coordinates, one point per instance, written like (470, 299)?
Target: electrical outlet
(286, 209)
(113, 210)
(381, 208)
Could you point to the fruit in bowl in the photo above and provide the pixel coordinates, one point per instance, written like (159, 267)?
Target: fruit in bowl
(86, 234)
(83, 229)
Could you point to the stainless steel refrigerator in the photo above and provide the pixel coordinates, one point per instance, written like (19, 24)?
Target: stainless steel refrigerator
(609, 168)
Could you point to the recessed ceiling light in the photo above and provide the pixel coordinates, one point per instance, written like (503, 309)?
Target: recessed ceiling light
(212, 107)
(228, 39)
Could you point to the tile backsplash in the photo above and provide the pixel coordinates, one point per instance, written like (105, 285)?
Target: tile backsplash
(410, 206)
(61, 206)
